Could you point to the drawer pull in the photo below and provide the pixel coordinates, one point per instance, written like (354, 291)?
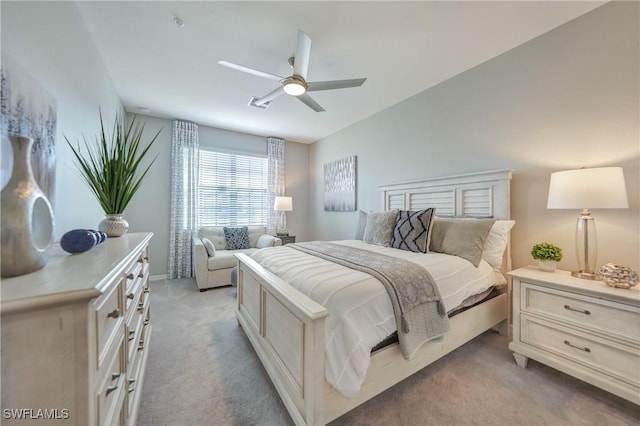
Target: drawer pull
(582, 311)
(130, 296)
(114, 314)
(146, 290)
(146, 322)
(131, 335)
(111, 389)
(568, 343)
(140, 260)
(115, 376)
(141, 345)
(141, 275)
(146, 258)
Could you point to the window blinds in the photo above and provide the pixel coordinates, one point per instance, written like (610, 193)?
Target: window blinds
(233, 189)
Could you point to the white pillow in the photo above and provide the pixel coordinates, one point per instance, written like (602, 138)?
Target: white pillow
(265, 241)
(496, 242)
(208, 245)
(362, 223)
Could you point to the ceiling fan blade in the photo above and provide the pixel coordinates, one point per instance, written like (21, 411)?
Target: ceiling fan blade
(250, 70)
(310, 102)
(335, 84)
(270, 96)
(303, 52)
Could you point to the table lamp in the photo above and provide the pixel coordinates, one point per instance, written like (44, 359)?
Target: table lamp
(595, 188)
(283, 204)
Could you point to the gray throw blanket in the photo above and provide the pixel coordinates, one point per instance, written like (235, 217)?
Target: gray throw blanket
(419, 311)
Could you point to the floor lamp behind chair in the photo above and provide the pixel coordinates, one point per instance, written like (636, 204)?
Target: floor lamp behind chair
(283, 204)
(596, 188)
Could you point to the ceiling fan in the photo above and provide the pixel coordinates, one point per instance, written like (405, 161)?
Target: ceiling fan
(296, 84)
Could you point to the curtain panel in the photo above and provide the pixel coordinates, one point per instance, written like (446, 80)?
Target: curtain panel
(275, 155)
(183, 199)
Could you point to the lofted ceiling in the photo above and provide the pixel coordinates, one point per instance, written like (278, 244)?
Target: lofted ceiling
(162, 69)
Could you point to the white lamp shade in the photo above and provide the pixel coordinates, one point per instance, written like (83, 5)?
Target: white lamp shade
(283, 204)
(595, 188)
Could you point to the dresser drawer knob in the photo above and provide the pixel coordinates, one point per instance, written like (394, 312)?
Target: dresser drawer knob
(114, 314)
(130, 296)
(568, 343)
(131, 335)
(582, 311)
(115, 376)
(140, 260)
(111, 389)
(129, 276)
(141, 345)
(146, 290)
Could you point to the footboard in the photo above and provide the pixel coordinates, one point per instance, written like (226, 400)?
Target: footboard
(286, 329)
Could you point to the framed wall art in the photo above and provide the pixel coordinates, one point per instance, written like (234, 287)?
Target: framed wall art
(340, 185)
(28, 110)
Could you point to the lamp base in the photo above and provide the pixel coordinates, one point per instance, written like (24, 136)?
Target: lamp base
(585, 275)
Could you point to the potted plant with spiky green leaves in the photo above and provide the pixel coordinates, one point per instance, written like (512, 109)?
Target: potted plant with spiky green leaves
(113, 169)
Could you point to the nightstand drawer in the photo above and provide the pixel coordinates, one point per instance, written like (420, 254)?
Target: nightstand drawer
(608, 318)
(615, 359)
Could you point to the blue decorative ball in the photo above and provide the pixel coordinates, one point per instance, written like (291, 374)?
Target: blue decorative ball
(78, 241)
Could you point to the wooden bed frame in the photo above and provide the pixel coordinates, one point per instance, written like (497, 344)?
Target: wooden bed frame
(286, 328)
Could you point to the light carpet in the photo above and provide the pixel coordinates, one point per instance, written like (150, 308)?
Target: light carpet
(202, 370)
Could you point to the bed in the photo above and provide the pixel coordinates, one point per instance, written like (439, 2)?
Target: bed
(287, 328)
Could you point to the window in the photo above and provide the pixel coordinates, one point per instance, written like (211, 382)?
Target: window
(233, 189)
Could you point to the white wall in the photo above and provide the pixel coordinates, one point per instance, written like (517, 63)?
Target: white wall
(50, 41)
(564, 100)
(149, 209)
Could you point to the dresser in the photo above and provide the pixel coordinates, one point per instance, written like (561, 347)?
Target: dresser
(75, 336)
(583, 328)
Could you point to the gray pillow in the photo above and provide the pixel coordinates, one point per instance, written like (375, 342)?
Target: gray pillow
(411, 231)
(208, 245)
(379, 228)
(362, 222)
(460, 237)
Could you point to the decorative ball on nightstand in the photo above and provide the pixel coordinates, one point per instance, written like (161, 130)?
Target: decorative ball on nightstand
(618, 276)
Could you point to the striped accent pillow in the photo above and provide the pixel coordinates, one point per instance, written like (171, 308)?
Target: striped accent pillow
(412, 230)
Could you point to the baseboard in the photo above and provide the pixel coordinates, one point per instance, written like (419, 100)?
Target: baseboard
(158, 277)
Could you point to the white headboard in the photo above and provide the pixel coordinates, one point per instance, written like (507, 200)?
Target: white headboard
(483, 194)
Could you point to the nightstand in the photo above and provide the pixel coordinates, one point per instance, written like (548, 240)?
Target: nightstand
(583, 328)
(287, 239)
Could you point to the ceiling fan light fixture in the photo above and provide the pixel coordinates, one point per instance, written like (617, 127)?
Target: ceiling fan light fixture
(294, 85)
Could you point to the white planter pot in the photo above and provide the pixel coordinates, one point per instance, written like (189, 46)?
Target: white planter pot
(547, 265)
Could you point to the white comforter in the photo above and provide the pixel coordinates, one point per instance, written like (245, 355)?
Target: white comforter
(360, 311)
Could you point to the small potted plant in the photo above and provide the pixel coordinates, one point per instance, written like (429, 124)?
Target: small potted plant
(112, 168)
(547, 255)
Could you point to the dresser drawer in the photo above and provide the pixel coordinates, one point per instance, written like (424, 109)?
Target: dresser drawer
(615, 359)
(589, 313)
(111, 388)
(109, 319)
